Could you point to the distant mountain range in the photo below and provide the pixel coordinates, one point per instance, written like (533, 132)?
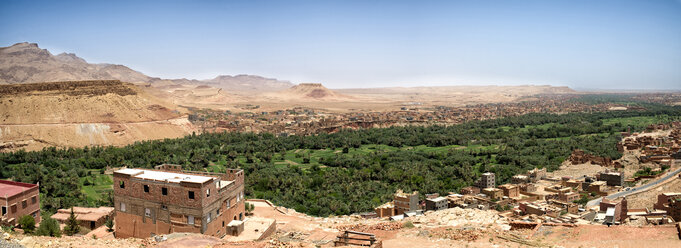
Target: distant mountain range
(27, 63)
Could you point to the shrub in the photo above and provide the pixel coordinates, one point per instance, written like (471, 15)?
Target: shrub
(408, 224)
(109, 224)
(27, 223)
(49, 227)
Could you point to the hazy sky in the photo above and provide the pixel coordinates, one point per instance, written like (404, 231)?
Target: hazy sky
(581, 44)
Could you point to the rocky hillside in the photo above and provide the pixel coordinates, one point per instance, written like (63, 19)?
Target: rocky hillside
(79, 113)
(27, 63)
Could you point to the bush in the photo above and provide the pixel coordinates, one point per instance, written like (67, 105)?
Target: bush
(49, 227)
(109, 224)
(408, 224)
(27, 223)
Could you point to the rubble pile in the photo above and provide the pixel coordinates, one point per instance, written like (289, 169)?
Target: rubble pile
(458, 216)
(385, 226)
(462, 234)
(82, 241)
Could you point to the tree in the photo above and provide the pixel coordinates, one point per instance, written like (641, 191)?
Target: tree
(109, 224)
(249, 208)
(49, 227)
(27, 223)
(72, 226)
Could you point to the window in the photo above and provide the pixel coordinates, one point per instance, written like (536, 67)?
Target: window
(33, 199)
(13, 208)
(228, 203)
(121, 184)
(190, 220)
(146, 188)
(223, 223)
(191, 194)
(164, 207)
(208, 218)
(241, 216)
(207, 192)
(23, 204)
(147, 212)
(122, 207)
(4, 210)
(164, 191)
(217, 212)
(35, 215)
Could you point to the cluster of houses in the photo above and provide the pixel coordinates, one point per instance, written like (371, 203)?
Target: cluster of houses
(305, 121)
(529, 197)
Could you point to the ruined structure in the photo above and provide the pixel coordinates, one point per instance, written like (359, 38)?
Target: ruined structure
(18, 199)
(167, 200)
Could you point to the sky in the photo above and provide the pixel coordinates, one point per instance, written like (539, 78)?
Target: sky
(356, 44)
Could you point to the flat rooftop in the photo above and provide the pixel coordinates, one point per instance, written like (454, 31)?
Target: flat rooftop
(164, 176)
(11, 188)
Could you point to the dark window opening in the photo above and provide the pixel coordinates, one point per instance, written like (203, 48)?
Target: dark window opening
(33, 200)
(146, 188)
(223, 223)
(23, 204)
(164, 191)
(4, 210)
(164, 207)
(191, 194)
(121, 184)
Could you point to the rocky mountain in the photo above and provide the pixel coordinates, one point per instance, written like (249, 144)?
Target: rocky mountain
(28, 63)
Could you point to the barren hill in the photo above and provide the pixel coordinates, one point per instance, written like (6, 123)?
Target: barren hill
(78, 113)
(310, 92)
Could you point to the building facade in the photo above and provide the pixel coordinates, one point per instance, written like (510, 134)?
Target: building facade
(438, 203)
(487, 180)
(167, 200)
(612, 178)
(18, 199)
(405, 202)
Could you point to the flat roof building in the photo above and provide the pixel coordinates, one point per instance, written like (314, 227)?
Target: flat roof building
(438, 203)
(487, 180)
(18, 199)
(90, 218)
(167, 200)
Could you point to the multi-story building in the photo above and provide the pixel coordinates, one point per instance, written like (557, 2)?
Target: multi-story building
(18, 199)
(438, 203)
(405, 202)
(510, 190)
(493, 193)
(168, 199)
(487, 180)
(612, 178)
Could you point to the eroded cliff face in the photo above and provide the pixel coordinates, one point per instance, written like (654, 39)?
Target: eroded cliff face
(80, 113)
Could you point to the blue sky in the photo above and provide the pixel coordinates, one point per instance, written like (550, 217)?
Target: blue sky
(344, 44)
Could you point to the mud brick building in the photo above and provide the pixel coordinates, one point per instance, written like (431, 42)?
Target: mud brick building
(167, 200)
(487, 180)
(612, 178)
(405, 202)
(438, 203)
(18, 199)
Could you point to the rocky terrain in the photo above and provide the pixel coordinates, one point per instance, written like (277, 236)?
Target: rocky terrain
(79, 113)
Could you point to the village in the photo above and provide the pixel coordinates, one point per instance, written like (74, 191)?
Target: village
(159, 202)
(306, 121)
